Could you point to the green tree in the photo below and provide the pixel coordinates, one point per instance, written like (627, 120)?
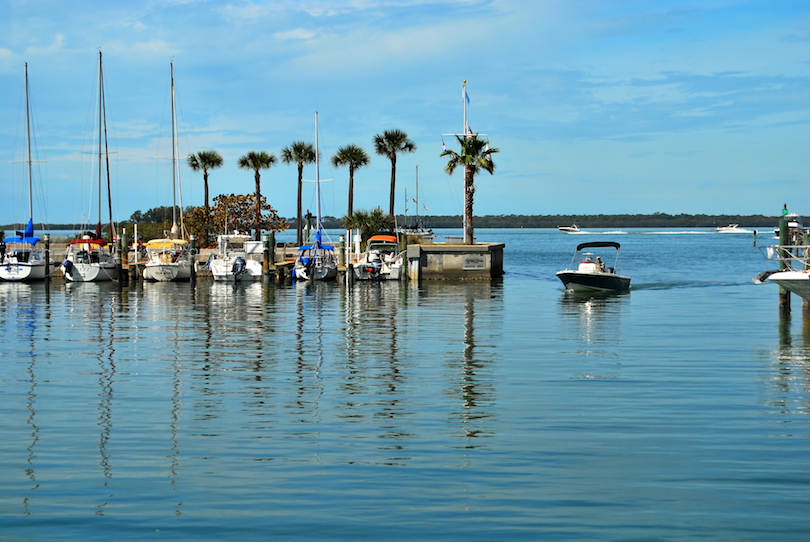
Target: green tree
(390, 143)
(205, 161)
(475, 155)
(232, 212)
(369, 222)
(354, 157)
(257, 160)
(300, 153)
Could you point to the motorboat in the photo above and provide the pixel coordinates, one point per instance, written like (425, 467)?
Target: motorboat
(731, 228)
(569, 229)
(794, 223)
(382, 259)
(587, 271)
(794, 268)
(237, 258)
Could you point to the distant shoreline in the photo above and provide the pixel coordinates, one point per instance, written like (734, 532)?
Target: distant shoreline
(655, 220)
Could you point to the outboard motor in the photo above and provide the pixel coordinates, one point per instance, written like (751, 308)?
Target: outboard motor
(67, 265)
(238, 267)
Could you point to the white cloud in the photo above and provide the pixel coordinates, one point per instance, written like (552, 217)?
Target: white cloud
(57, 44)
(296, 34)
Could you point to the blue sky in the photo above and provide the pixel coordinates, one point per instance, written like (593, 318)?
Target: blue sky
(596, 106)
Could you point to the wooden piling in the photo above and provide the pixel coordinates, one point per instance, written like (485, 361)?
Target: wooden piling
(47, 241)
(193, 257)
(784, 237)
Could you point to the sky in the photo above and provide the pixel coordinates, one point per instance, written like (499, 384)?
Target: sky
(596, 106)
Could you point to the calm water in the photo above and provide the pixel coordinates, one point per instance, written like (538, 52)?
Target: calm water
(440, 411)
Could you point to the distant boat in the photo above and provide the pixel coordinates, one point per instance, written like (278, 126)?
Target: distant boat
(169, 259)
(382, 259)
(23, 258)
(731, 228)
(587, 271)
(417, 232)
(569, 229)
(235, 260)
(794, 223)
(316, 261)
(90, 258)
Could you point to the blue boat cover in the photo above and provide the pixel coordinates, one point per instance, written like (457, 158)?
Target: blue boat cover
(26, 236)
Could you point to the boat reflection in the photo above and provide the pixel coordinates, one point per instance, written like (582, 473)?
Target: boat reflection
(788, 384)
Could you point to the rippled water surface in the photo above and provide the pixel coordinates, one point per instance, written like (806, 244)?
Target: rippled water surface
(433, 411)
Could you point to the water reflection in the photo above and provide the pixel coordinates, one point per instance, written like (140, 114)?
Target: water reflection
(789, 393)
(595, 321)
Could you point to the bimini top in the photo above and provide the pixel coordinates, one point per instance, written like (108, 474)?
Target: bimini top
(26, 236)
(99, 242)
(166, 243)
(383, 237)
(597, 244)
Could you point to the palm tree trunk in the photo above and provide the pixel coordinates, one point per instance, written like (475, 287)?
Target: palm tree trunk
(351, 191)
(469, 191)
(207, 210)
(299, 240)
(258, 206)
(393, 182)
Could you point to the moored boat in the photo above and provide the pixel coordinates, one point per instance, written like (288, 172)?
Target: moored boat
(382, 259)
(587, 271)
(236, 258)
(23, 258)
(167, 260)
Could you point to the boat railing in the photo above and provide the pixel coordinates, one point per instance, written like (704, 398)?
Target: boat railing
(795, 256)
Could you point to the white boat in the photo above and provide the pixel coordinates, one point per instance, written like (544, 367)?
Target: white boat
(237, 258)
(794, 224)
(587, 271)
(569, 229)
(91, 259)
(170, 259)
(382, 259)
(167, 260)
(794, 268)
(732, 228)
(23, 257)
(316, 261)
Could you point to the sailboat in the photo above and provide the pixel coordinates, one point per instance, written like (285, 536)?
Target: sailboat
(316, 261)
(169, 259)
(89, 259)
(23, 258)
(417, 232)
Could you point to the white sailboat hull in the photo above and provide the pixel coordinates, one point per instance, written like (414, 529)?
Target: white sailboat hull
(91, 272)
(23, 271)
(167, 272)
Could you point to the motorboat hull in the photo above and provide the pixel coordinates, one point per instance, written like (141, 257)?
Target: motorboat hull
(797, 282)
(593, 282)
(223, 270)
(371, 272)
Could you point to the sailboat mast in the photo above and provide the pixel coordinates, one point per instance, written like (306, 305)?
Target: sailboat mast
(174, 154)
(464, 105)
(317, 178)
(106, 151)
(100, 117)
(417, 196)
(28, 139)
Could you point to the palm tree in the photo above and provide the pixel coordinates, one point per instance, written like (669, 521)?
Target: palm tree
(205, 161)
(299, 152)
(369, 222)
(354, 157)
(257, 160)
(389, 144)
(475, 156)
